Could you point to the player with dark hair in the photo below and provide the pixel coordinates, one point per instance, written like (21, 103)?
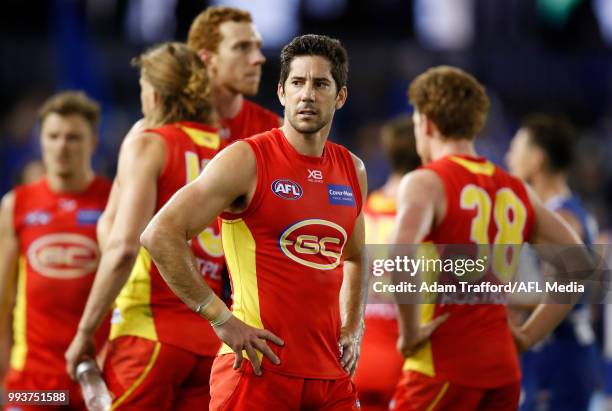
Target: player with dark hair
(463, 356)
(49, 250)
(292, 230)
(561, 373)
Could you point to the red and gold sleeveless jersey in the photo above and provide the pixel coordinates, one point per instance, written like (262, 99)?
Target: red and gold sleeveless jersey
(380, 363)
(251, 119)
(146, 307)
(284, 252)
(57, 264)
(485, 205)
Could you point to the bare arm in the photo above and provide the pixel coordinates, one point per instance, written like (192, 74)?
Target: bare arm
(105, 223)
(107, 218)
(550, 229)
(140, 162)
(8, 276)
(354, 285)
(230, 176)
(191, 210)
(420, 200)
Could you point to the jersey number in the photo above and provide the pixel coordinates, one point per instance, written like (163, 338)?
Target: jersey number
(510, 217)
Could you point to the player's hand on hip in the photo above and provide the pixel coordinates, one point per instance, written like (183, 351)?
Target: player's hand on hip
(81, 348)
(240, 336)
(350, 348)
(408, 345)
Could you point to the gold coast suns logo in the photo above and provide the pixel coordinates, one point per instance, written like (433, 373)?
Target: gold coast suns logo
(64, 255)
(314, 243)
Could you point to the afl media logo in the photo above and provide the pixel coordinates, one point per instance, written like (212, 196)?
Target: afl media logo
(314, 243)
(64, 255)
(287, 189)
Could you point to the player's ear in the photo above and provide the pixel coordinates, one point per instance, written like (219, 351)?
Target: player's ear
(280, 91)
(205, 56)
(341, 97)
(430, 126)
(538, 159)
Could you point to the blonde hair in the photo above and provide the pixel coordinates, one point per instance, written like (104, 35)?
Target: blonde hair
(72, 102)
(204, 32)
(177, 74)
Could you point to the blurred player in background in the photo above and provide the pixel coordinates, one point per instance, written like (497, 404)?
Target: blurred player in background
(463, 357)
(380, 365)
(229, 44)
(49, 251)
(160, 353)
(293, 235)
(561, 373)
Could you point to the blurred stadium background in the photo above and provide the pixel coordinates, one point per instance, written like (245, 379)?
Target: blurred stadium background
(533, 55)
(550, 56)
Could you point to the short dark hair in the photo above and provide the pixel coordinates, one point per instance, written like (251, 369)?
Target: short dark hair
(399, 144)
(555, 136)
(72, 102)
(316, 45)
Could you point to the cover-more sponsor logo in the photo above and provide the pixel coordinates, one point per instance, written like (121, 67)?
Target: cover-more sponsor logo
(63, 255)
(315, 243)
(287, 189)
(340, 195)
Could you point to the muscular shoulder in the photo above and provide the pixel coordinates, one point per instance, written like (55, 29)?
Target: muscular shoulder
(361, 173)
(236, 158)
(7, 204)
(144, 151)
(422, 184)
(143, 142)
(7, 210)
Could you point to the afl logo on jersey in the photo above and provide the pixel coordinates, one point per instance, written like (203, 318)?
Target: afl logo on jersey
(314, 243)
(65, 255)
(287, 189)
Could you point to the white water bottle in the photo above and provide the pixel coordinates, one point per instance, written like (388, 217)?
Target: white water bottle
(94, 389)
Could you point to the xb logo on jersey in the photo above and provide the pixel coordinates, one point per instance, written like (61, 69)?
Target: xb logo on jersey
(315, 176)
(314, 243)
(287, 189)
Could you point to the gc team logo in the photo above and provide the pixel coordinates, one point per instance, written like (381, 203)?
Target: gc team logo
(314, 243)
(63, 255)
(287, 189)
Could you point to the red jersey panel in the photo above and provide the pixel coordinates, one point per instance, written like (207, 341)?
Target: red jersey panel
(380, 364)
(284, 253)
(146, 307)
(58, 261)
(485, 205)
(251, 119)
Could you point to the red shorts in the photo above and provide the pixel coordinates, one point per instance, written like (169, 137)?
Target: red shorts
(241, 389)
(31, 380)
(144, 375)
(418, 392)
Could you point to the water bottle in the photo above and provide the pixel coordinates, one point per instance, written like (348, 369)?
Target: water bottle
(94, 389)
